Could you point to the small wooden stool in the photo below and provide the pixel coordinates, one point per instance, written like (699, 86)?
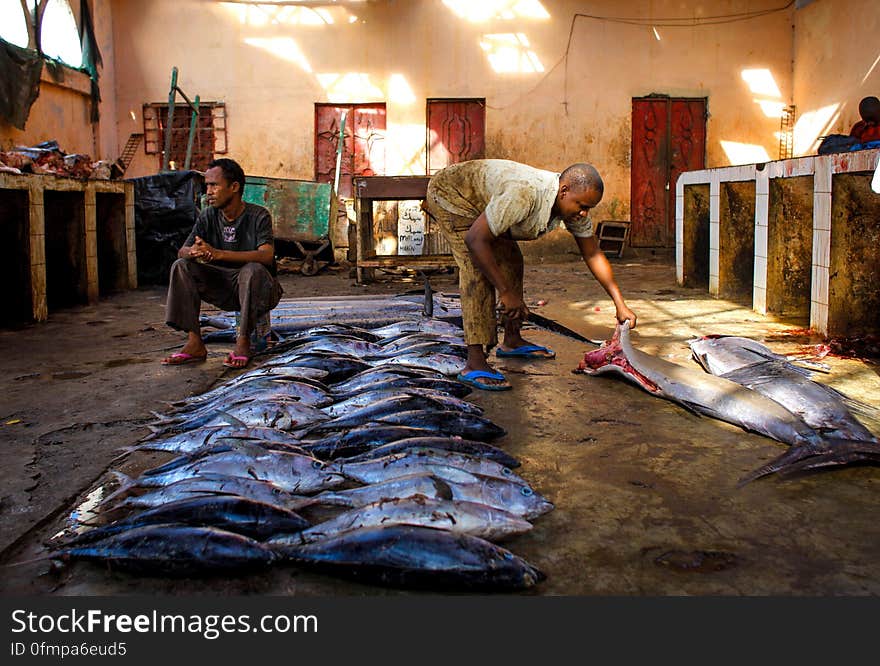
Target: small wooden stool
(612, 235)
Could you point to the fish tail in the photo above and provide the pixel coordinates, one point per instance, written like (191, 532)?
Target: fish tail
(805, 457)
(126, 451)
(842, 452)
(793, 455)
(125, 482)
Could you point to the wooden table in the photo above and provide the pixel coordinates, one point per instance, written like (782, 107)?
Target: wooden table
(368, 189)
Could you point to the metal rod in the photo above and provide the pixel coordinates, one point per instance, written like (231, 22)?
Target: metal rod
(339, 147)
(193, 124)
(171, 96)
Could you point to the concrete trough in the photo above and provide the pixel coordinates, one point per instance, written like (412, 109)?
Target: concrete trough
(737, 242)
(15, 258)
(790, 249)
(854, 256)
(696, 237)
(66, 272)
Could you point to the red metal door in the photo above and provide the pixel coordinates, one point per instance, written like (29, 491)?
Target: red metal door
(363, 152)
(669, 137)
(456, 131)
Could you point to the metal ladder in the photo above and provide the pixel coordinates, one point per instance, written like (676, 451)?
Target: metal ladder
(131, 146)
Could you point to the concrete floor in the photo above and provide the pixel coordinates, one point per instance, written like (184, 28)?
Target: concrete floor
(645, 492)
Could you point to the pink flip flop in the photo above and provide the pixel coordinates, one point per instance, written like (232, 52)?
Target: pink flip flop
(182, 358)
(235, 357)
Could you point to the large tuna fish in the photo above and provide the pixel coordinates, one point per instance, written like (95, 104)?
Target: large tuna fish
(177, 550)
(453, 516)
(722, 399)
(752, 365)
(251, 518)
(404, 555)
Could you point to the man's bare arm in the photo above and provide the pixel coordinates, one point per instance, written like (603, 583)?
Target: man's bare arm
(479, 240)
(599, 266)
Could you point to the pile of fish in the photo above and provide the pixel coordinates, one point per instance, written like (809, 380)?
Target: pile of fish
(748, 385)
(349, 450)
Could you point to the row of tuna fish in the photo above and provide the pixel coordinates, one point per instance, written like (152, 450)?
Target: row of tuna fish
(348, 450)
(748, 385)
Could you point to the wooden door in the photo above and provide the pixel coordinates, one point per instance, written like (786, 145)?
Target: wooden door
(363, 152)
(456, 131)
(668, 137)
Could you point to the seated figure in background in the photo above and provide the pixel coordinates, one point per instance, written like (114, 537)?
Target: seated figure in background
(868, 128)
(228, 260)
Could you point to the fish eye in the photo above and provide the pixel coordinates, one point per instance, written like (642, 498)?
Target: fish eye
(526, 491)
(276, 491)
(317, 464)
(506, 472)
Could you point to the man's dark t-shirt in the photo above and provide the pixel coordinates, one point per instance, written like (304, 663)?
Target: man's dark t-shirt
(248, 232)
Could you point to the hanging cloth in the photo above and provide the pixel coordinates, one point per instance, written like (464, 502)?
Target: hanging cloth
(19, 82)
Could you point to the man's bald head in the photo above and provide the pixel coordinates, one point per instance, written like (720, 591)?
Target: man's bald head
(581, 177)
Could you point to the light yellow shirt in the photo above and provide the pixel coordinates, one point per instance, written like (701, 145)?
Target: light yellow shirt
(517, 198)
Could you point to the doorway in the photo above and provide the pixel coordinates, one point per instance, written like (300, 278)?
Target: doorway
(668, 137)
(363, 148)
(456, 131)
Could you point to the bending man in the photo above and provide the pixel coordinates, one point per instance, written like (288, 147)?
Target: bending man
(228, 260)
(482, 208)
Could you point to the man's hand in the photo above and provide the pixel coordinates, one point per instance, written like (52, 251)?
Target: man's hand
(625, 314)
(201, 251)
(512, 307)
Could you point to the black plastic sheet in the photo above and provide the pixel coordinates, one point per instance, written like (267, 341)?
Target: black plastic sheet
(165, 211)
(19, 82)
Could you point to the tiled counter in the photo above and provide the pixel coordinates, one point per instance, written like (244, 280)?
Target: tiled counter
(797, 238)
(67, 241)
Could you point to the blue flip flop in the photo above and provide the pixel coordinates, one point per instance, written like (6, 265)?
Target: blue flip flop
(470, 378)
(527, 351)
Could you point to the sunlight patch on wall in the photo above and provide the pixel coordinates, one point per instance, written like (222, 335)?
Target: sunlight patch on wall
(811, 125)
(744, 153)
(399, 91)
(283, 47)
(485, 10)
(871, 69)
(771, 109)
(510, 52)
(350, 87)
(761, 82)
(405, 154)
(265, 14)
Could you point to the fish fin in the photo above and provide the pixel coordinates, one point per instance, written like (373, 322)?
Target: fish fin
(809, 364)
(698, 409)
(869, 415)
(701, 359)
(444, 491)
(229, 416)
